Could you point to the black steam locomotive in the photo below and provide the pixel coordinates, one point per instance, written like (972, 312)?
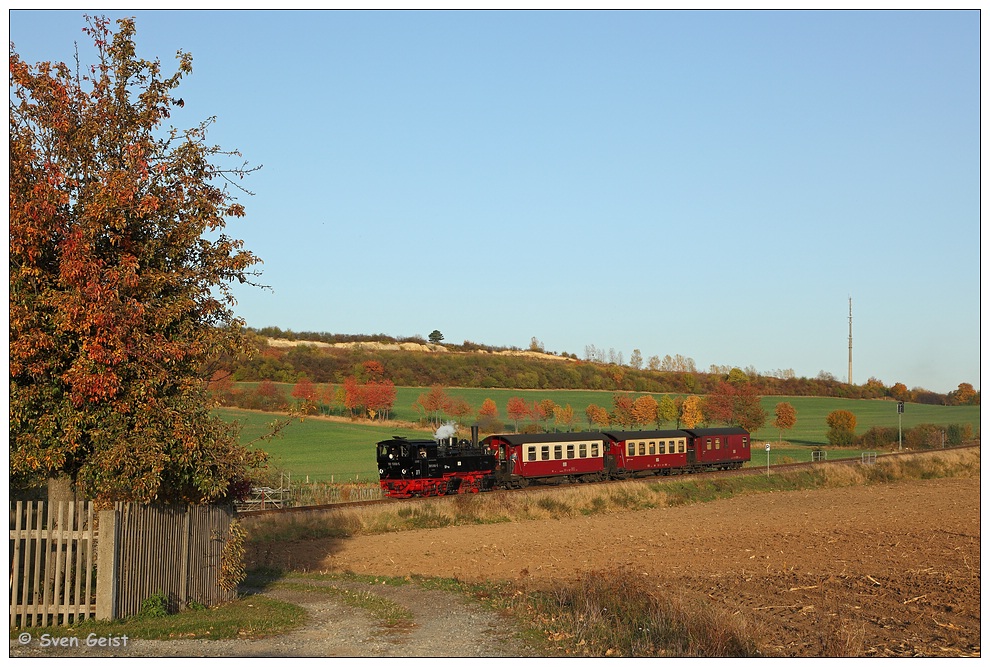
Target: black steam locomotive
(434, 467)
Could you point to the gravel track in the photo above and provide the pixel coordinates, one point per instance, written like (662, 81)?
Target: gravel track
(444, 625)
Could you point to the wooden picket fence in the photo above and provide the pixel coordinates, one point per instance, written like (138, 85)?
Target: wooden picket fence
(52, 563)
(69, 562)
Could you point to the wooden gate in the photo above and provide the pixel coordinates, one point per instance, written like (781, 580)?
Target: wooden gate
(52, 563)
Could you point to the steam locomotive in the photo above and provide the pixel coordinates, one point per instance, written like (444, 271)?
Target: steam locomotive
(445, 465)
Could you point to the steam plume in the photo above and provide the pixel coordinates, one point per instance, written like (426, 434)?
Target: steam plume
(447, 430)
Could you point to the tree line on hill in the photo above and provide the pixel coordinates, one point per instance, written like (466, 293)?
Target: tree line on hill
(728, 404)
(373, 399)
(473, 366)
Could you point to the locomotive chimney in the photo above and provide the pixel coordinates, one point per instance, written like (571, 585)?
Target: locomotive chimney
(474, 435)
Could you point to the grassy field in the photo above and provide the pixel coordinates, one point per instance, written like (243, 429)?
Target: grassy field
(327, 450)
(316, 448)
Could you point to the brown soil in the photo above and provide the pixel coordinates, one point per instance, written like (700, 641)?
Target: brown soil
(890, 570)
(862, 571)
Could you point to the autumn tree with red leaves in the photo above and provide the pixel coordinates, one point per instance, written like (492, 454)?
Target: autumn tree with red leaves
(459, 409)
(379, 398)
(433, 403)
(120, 275)
(305, 391)
(735, 403)
(785, 417)
(353, 394)
(488, 416)
(517, 409)
(543, 410)
(622, 411)
(488, 409)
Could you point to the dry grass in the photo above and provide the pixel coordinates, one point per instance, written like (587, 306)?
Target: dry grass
(506, 506)
(618, 614)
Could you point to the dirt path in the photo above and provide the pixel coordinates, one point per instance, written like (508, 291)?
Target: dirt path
(443, 625)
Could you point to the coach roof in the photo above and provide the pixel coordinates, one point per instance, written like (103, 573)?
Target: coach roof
(620, 436)
(528, 438)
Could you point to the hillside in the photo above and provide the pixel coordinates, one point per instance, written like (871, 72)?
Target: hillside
(378, 346)
(330, 358)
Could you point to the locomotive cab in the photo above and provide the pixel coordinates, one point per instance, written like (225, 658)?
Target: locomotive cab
(407, 459)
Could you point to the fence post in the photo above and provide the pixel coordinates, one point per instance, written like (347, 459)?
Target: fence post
(184, 549)
(107, 565)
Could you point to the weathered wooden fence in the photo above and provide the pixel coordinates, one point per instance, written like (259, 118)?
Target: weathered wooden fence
(69, 563)
(173, 550)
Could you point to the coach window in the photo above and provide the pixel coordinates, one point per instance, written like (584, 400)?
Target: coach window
(680, 446)
(531, 453)
(718, 443)
(583, 450)
(632, 449)
(642, 447)
(570, 451)
(594, 449)
(745, 442)
(708, 443)
(558, 452)
(653, 447)
(545, 453)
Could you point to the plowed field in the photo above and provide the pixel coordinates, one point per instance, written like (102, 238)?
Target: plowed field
(880, 570)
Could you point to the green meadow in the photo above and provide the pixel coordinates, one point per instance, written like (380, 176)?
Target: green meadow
(313, 448)
(325, 450)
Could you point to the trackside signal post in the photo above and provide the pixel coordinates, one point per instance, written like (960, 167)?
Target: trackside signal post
(768, 459)
(900, 411)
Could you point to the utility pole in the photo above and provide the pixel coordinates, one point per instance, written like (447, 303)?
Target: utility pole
(850, 340)
(900, 411)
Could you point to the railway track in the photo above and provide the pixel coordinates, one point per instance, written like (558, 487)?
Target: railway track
(542, 488)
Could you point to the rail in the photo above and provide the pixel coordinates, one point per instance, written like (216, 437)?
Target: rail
(549, 487)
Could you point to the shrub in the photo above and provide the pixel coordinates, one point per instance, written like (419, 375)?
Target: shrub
(155, 607)
(957, 434)
(841, 428)
(924, 436)
(878, 437)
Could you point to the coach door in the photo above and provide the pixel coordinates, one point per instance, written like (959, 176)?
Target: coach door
(691, 441)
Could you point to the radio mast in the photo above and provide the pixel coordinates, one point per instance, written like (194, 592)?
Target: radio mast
(850, 340)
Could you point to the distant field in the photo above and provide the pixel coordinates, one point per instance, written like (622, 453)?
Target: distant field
(326, 450)
(317, 448)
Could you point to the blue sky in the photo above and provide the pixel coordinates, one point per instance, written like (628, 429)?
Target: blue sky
(710, 184)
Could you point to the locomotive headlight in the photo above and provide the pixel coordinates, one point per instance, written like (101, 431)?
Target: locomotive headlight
(403, 471)
(381, 471)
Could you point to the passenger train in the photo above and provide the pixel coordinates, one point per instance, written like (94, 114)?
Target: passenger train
(437, 467)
